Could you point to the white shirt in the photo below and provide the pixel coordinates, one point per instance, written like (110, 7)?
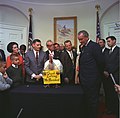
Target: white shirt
(103, 49)
(33, 75)
(15, 66)
(70, 54)
(35, 52)
(87, 42)
(113, 47)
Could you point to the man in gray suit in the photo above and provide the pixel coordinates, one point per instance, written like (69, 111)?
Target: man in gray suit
(34, 62)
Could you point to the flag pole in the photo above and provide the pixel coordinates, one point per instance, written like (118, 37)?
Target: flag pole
(97, 7)
(97, 23)
(30, 11)
(30, 37)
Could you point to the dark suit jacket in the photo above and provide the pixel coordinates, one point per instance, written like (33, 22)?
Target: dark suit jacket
(68, 65)
(31, 66)
(91, 64)
(112, 63)
(56, 55)
(3, 55)
(106, 50)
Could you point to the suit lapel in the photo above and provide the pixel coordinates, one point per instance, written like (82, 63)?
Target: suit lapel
(33, 55)
(68, 55)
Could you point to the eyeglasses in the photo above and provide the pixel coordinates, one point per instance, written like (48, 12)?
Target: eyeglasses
(50, 45)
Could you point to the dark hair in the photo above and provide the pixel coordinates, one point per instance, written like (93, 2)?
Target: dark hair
(23, 47)
(85, 33)
(102, 40)
(36, 40)
(56, 44)
(111, 37)
(12, 56)
(10, 46)
(67, 42)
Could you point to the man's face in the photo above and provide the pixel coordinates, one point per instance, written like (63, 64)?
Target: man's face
(57, 47)
(101, 43)
(82, 39)
(22, 51)
(110, 42)
(50, 46)
(68, 46)
(36, 46)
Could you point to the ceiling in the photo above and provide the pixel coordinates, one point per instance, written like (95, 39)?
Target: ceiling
(52, 2)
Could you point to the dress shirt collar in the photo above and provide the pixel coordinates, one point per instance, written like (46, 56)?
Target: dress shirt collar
(70, 53)
(103, 49)
(1, 74)
(113, 47)
(35, 52)
(15, 66)
(87, 42)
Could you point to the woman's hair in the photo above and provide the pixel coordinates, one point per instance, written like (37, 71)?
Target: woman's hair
(10, 46)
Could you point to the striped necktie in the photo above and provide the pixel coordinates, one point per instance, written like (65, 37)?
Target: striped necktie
(37, 57)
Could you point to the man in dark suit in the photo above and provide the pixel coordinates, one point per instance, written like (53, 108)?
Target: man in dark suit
(51, 50)
(90, 67)
(102, 43)
(112, 67)
(105, 51)
(2, 55)
(34, 62)
(68, 60)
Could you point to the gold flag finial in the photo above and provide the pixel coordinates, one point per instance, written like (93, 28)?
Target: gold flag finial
(30, 11)
(97, 7)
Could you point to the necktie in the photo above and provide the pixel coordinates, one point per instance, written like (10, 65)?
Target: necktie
(110, 51)
(37, 57)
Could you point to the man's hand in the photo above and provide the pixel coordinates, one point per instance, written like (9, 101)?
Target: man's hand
(66, 80)
(37, 77)
(106, 74)
(5, 76)
(117, 88)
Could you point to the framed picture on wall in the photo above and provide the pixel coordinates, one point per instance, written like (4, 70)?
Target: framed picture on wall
(65, 28)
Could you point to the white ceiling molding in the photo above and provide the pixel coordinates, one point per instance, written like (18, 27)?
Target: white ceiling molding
(53, 2)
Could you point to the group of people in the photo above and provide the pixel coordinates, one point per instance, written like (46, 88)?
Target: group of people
(92, 66)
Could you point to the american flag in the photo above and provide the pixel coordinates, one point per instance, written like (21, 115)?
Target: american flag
(30, 37)
(97, 27)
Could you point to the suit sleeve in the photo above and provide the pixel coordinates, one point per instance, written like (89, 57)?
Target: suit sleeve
(4, 86)
(99, 58)
(63, 61)
(27, 65)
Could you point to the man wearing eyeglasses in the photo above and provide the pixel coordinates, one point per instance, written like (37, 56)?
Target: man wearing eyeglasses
(51, 50)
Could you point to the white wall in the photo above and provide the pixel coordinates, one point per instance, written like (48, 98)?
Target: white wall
(43, 16)
(110, 16)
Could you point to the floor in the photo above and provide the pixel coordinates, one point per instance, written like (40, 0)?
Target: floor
(102, 113)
